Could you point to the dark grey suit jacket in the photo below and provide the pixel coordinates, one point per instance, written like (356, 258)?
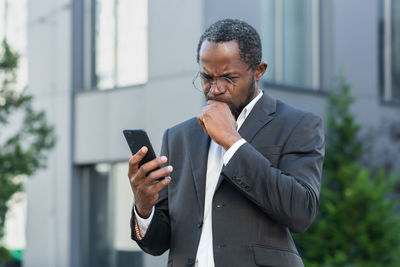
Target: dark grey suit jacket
(269, 188)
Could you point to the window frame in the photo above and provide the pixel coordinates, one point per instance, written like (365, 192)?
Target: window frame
(90, 79)
(385, 36)
(316, 56)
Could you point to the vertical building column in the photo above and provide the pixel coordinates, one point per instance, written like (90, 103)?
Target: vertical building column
(49, 81)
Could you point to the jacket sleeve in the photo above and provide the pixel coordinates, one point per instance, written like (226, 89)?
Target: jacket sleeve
(158, 235)
(289, 194)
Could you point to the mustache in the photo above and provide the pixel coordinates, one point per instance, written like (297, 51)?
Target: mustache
(215, 98)
(218, 99)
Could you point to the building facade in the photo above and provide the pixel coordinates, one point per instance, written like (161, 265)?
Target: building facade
(98, 67)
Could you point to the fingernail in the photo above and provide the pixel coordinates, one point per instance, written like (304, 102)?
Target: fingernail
(163, 158)
(143, 149)
(170, 168)
(167, 180)
(130, 156)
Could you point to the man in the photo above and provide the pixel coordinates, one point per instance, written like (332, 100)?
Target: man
(240, 177)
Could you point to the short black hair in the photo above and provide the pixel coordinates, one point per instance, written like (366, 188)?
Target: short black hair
(235, 30)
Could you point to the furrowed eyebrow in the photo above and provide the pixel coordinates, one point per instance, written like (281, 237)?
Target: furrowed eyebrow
(205, 75)
(230, 73)
(223, 75)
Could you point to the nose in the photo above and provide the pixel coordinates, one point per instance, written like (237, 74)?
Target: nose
(216, 89)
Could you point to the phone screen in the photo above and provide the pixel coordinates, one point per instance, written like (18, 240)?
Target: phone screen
(136, 140)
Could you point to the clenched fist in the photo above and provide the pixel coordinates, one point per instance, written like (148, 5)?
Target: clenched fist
(218, 122)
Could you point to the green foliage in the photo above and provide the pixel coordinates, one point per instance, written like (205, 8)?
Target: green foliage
(9, 59)
(357, 223)
(23, 152)
(5, 255)
(342, 144)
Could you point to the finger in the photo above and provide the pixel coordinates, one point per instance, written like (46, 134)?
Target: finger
(210, 102)
(161, 184)
(151, 165)
(202, 125)
(135, 159)
(220, 106)
(157, 174)
(214, 104)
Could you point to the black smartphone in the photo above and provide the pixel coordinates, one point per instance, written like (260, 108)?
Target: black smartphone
(136, 140)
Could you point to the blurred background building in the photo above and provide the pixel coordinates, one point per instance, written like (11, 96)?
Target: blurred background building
(13, 25)
(100, 66)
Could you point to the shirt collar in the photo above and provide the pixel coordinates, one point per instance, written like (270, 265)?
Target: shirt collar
(247, 109)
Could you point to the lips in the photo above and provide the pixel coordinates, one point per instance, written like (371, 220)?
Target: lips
(219, 99)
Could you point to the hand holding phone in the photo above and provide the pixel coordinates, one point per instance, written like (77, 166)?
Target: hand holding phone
(147, 181)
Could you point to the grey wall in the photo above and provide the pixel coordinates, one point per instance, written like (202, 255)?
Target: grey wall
(167, 98)
(356, 50)
(48, 192)
(100, 116)
(248, 10)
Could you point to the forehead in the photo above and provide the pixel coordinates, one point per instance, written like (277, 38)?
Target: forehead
(220, 57)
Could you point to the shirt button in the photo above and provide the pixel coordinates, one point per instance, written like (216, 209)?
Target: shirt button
(219, 206)
(200, 224)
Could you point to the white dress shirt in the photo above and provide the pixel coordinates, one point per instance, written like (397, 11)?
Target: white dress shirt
(217, 157)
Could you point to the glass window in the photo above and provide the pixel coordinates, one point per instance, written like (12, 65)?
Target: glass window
(395, 49)
(390, 52)
(120, 43)
(290, 35)
(106, 201)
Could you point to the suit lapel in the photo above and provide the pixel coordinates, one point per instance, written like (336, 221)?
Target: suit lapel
(262, 113)
(198, 159)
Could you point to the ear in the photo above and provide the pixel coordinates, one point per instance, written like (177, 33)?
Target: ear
(260, 69)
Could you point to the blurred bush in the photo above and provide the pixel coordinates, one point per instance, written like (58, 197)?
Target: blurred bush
(357, 224)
